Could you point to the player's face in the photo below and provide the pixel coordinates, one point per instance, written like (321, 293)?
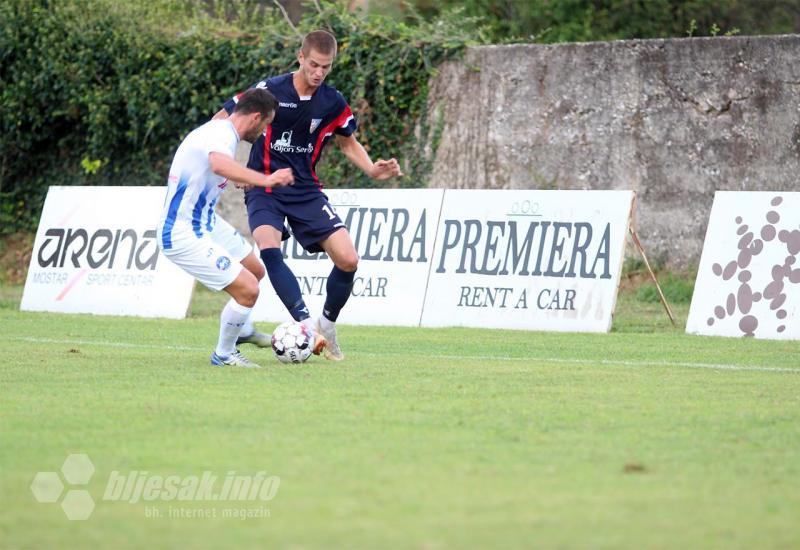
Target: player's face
(315, 66)
(258, 125)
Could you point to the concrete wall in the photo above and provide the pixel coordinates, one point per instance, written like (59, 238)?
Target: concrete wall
(673, 120)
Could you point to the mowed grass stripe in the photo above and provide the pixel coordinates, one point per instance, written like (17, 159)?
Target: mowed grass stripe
(435, 356)
(443, 438)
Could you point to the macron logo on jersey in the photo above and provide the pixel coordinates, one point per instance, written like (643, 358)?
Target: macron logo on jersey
(288, 105)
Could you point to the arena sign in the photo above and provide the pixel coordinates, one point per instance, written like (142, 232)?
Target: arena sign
(748, 281)
(393, 231)
(537, 260)
(95, 252)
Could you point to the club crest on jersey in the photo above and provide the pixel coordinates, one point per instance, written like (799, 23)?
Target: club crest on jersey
(223, 263)
(314, 125)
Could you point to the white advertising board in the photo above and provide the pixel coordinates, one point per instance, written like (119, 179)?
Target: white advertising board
(748, 281)
(393, 231)
(536, 260)
(96, 252)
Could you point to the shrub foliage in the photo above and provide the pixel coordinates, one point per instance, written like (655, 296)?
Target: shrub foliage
(97, 92)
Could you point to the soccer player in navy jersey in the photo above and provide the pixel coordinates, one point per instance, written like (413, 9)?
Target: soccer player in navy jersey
(309, 113)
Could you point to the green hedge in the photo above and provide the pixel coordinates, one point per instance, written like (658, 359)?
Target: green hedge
(94, 94)
(591, 20)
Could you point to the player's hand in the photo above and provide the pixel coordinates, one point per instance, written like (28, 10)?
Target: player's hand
(385, 169)
(283, 176)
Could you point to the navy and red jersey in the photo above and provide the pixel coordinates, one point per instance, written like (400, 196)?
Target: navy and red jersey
(297, 135)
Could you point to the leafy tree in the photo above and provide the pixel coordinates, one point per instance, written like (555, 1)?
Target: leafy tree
(588, 20)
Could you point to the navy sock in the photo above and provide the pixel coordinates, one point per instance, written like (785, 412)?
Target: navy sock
(284, 283)
(339, 287)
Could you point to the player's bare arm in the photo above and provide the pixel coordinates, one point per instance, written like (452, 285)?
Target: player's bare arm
(222, 114)
(355, 152)
(227, 167)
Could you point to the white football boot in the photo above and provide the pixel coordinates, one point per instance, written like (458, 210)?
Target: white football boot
(320, 343)
(235, 359)
(256, 338)
(328, 329)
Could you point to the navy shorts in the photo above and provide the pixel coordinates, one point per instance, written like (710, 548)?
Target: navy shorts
(312, 220)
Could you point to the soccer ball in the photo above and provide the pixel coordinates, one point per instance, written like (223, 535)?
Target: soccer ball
(292, 342)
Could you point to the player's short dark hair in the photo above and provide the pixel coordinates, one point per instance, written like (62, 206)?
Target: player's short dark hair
(320, 41)
(256, 100)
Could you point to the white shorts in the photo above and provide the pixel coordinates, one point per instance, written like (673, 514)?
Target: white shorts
(213, 259)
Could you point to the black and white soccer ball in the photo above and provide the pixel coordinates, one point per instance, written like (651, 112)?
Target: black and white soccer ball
(292, 342)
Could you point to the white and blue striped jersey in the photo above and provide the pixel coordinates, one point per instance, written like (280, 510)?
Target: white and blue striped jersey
(192, 188)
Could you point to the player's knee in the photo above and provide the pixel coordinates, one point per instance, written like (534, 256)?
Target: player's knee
(348, 262)
(246, 289)
(249, 295)
(258, 270)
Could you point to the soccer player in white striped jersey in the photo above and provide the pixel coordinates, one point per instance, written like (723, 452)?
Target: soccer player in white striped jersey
(192, 236)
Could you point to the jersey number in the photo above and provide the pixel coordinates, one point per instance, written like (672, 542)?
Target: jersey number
(329, 211)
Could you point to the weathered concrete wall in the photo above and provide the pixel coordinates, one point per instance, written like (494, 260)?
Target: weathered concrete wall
(673, 120)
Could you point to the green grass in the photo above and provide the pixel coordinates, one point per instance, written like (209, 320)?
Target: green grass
(677, 290)
(452, 438)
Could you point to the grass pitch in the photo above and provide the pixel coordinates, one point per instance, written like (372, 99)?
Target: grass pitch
(645, 437)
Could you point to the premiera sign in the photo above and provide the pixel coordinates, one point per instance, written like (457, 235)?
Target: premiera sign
(393, 231)
(538, 260)
(96, 252)
(748, 281)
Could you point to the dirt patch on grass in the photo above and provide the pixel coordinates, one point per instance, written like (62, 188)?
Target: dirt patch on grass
(631, 282)
(634, 468)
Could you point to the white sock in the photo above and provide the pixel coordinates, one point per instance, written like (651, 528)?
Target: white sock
(231, 321)
(325, 324)
(247, 328)
(310, 323)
